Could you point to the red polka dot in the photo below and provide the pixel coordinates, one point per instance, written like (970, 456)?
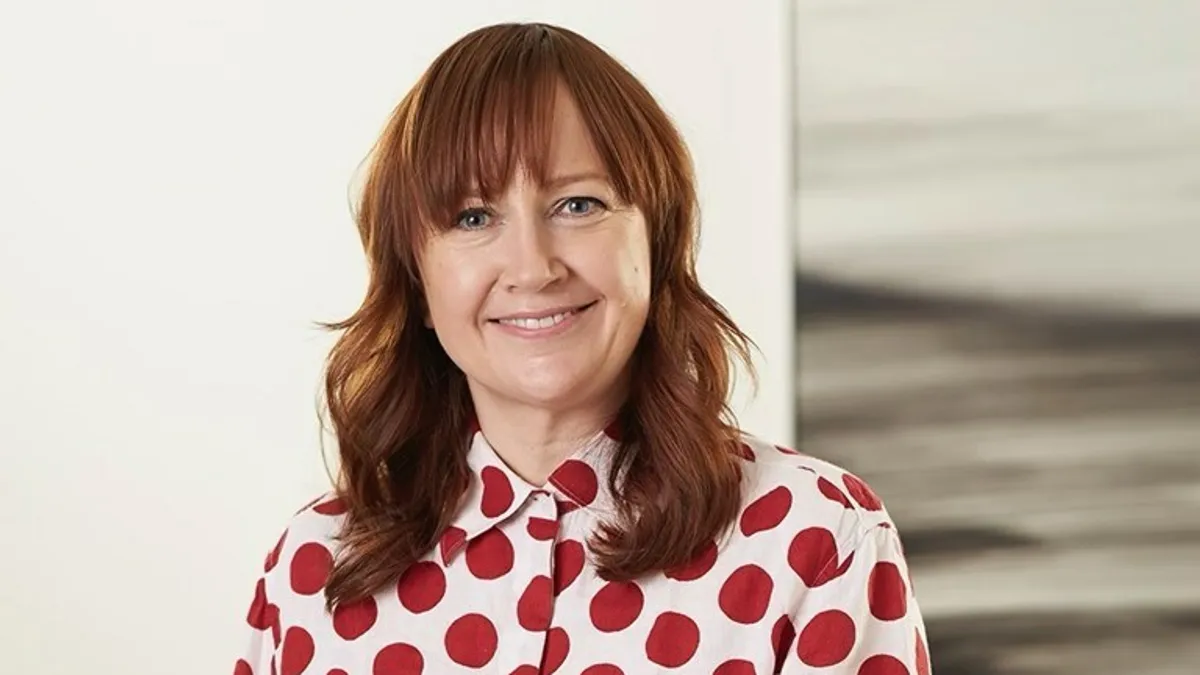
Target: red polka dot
(862, 492)
(735, 667)
(273, 557)
(452, 540)
(782, 635)
(886, 593)
(564, 506)
(310, 568)
(525, 670)
(673, 640)
(811, 556)
(576, 480)
(257, 616)
(832, 492)
(242, 668)
(568, 563)
(744, 451)
(337, 671)
(767, 511)
(922, 657)
(542, 529)
(831, 573)
(602, 669)
(613, 431)
(309, 505)
(616, 606)
(826, 640)
(490, 555)
(333, 507)
(398, 659)
(786, 450)
(535, 604)
(471, 641)
(421, 587)
(351, 621)
(272, 614)
(696, 567)
(745, 594)
(497, 492)
(298, 649)
(882, 664)
(558, 643)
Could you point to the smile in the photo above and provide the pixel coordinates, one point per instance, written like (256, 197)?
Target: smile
(543, 322)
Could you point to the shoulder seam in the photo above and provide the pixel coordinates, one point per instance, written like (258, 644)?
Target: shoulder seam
(860, 535)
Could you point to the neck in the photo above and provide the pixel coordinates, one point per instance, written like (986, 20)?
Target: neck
(534, 440)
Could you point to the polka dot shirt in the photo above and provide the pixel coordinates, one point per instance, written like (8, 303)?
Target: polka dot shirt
(811, 579)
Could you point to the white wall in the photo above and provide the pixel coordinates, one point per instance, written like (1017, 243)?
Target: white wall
(174, 216)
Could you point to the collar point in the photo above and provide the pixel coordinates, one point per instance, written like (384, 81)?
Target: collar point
(451, 542)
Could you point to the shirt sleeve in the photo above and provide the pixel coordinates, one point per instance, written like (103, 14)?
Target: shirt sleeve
(864, 619)
(262, 636)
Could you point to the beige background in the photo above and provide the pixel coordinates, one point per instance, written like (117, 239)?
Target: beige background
(174, 179)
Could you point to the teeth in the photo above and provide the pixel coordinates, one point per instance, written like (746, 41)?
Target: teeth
(534, 324)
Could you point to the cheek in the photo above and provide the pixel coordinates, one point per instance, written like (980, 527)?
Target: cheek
(617, 268)
(452, 292)
(636, 276)
(636, 281)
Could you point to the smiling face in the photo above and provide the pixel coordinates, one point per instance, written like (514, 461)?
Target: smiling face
(540, 295)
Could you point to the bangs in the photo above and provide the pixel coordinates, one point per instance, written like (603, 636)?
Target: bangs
(478, 116)
(484, 110)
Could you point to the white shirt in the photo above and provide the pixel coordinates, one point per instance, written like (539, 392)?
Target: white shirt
(811, 579)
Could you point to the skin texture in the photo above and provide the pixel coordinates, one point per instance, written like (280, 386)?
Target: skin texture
(565, 244)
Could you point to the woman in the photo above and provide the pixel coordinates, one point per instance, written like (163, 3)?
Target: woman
(537, 473)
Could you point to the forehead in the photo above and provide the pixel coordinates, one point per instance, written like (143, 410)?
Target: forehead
(571, 148)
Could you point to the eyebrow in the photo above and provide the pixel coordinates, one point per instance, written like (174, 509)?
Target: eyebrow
(568, 179)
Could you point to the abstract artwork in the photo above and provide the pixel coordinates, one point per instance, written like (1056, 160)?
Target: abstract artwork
(998, 314)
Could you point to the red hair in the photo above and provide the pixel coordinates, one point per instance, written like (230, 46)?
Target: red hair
(399, 407)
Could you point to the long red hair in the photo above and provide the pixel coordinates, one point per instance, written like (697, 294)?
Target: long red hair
(399, 407)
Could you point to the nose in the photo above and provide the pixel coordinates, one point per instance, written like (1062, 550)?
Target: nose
(533, 260)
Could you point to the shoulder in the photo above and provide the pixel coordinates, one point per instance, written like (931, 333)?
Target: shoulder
(303, 555)
(806, 496)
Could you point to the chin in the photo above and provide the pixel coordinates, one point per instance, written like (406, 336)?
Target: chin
(550, 385)
(555, 388)
(551, 394)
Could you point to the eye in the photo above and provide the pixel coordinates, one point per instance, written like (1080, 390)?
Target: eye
(580, 206)
(472, 219)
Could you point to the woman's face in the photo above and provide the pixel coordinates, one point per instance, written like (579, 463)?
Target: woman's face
(540, 297)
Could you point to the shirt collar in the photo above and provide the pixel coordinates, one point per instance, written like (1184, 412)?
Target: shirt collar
(496, 492)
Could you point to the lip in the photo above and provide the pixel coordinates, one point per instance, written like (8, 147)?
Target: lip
(573, 314)
(542, 314)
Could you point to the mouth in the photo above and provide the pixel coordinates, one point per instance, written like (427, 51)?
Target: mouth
(542, 321)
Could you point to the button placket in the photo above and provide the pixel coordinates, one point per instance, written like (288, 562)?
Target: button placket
(533, 588)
